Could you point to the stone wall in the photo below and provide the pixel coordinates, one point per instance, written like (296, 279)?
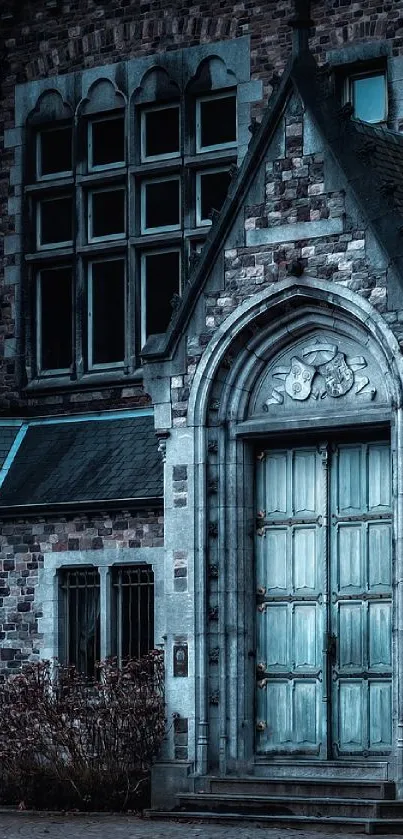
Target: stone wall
(23, 544)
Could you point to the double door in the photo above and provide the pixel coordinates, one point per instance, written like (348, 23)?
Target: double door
(323, 600)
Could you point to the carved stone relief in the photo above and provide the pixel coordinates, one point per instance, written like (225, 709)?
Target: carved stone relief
(319, 372)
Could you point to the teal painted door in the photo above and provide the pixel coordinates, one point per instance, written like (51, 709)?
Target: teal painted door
(323, 562)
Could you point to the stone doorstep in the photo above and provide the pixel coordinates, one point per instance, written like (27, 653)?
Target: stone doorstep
(292, 805)
(348, 788)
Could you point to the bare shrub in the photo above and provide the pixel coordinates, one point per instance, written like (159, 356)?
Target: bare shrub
(67, 741)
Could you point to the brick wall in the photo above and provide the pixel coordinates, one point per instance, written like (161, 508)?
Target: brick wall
(48, 37)
(22, 548)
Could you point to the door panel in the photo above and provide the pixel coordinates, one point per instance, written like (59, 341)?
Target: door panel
(360, 576)
(324, 600)
(290, 615)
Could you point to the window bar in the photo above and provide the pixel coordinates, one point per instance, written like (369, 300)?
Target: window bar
(130, 612)
(134, 611)
(66, 607)
(120, 617)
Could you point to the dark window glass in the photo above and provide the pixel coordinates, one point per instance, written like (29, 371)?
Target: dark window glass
(56, 221)
(218, 121)
(81, 629)
(162, 203)
(213, 192)
(108, 212)
(162, 272)
(108, 311)
(133, 611)
(161, 131)
(369, 97)
(55, 151)
(108, 141)
(55, 318)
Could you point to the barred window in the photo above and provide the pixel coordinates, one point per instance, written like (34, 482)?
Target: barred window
(80, 612)
(127, 619)
(133, 612)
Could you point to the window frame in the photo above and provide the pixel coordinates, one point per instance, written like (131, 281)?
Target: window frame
(108, 365)
(89, 137)
(357, 75)
(200, 222)
(63, 173)
(144, 158)
(104, 167)
(63, 243)
(143, 283)
(200, 149)
(53, 371)
(108, 237)
(166, 228)
(109, 631)
(117, 606)
(64, 636)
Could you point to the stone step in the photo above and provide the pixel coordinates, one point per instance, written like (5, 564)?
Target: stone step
(309, 787)
(302, 768)
(332, 824)
(362, 808)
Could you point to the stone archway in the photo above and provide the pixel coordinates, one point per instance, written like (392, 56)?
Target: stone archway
(343, 355)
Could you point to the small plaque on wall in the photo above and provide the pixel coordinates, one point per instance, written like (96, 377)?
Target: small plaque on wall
(180, 659)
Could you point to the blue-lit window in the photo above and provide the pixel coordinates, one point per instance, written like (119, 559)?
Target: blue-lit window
(368, 96)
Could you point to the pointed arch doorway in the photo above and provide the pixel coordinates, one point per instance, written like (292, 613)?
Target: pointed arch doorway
(244, 403)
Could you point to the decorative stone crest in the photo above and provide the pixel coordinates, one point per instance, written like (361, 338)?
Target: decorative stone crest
(320, 371)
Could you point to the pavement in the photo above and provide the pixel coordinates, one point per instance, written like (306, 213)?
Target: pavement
(44, 826)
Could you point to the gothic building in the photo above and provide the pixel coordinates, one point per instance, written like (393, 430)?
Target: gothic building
(201, 427)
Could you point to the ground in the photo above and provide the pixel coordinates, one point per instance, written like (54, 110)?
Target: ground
(41, 826)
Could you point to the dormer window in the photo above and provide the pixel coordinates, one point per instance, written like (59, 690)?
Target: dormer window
(367, 93)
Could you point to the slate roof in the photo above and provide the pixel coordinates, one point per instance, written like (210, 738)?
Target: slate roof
(7, 437)
(92, 460)
(370, 157)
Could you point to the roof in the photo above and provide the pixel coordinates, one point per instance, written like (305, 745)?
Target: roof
(370, 157)
(84, 461)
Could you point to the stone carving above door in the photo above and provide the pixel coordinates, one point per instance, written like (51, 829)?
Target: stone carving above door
(319, 373)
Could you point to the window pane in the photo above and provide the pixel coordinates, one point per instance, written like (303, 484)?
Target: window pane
(108, 141)
(56, 221)
(218, 121)
(134, 611)
(55, 151)
(162, 203)
(108, 212)
(161, 131)
(55, 318)
(162, 281)
(82, 619)
(108, 311)
(369, 98)
(213, 191)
